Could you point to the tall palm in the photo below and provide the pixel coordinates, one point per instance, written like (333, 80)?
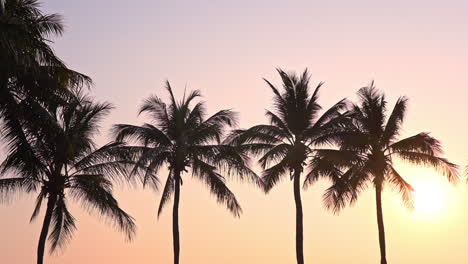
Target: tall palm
(62, 162)
(291, 139)
(368, 147)
(181, 138)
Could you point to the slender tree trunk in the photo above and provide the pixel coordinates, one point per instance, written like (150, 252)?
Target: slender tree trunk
(175, 218)
(299, 224)
(45, 228)
(380, 223)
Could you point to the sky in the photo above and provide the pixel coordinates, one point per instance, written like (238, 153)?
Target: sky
(224, 48)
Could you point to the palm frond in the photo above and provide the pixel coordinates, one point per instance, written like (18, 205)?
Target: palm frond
(275, 155)
(448, 169)
(395, 120)
(167, 193)
(405, 189)
(371, 113)
(94, 192)
(329, 163)
(320, 168)
(278, 122)
(10, 186)
(150, 177)
(213, 128)
(266, 134)
(63, 225)
(312, 105)
(110, 160)
(332, 113)
(148, 164)
(337, 196)
(40, 197)
(157, 109)
(274, 174)
(208, 175)
(422, 143)
(346, 188)
(278, 101)
(232, 161)
(146, 134)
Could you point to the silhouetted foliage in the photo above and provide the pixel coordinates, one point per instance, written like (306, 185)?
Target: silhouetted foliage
(30, 72)
(295, 131)
(182, 138)
(48, 126)
(368, 147)
(59, 159)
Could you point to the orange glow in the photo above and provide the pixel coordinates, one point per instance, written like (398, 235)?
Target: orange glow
(429, 198)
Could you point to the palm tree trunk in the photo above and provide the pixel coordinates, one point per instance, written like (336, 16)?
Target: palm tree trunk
(299, 223)
(45, 228)
(380, 223)
(175, 218)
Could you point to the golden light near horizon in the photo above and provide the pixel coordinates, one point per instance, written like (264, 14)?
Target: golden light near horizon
(429, 198)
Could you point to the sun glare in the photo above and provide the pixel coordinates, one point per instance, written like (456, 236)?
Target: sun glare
(428, 198)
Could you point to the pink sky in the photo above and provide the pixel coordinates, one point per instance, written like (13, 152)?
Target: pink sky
(224, 48)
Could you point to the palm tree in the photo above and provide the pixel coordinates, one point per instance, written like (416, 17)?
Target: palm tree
(28, 62)
(368, 146)
(61, 162)
(180, 137)
(25, 33)
(291, 138)
(30, 72)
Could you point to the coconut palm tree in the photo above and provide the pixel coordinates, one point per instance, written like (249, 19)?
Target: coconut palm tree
(368, 147)
(30, 71)
(181, 138)
(25, 33)
(62, 163)
(28, 61)
(295, 132)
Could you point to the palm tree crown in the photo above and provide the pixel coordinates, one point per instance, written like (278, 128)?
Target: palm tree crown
(180, 137)
(30, 72)
(28, 61)
(368, 146)
(295, 131)
(26, 31)
(62, 163)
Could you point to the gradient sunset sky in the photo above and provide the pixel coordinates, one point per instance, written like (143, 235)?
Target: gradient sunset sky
(415, 48)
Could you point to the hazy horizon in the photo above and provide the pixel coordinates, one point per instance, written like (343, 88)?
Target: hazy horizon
(224, 49)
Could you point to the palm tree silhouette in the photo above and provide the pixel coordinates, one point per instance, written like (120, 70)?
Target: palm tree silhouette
(368, 145)
(30, 72)
(62, 162)
(26, 32)
(295, 130)
(181, 138)
(28, 62)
